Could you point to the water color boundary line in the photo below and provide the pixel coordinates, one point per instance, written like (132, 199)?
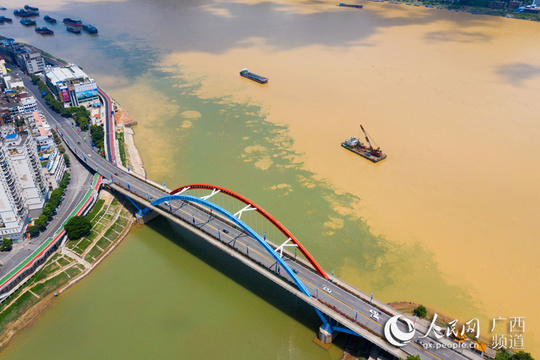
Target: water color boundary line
(8, 282)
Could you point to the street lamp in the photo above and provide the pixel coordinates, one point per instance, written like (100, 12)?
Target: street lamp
(318, 291)
(356, 315)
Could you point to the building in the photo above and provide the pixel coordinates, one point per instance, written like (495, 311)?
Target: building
(497, 4)
(56, 168)
(71, 86)
(23, 158)
(29, 60)
(13, 212)
(3, 69)
(514, 4)
(15, 103)
(12, 82)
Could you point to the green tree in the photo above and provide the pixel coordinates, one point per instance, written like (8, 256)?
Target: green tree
(35, 79)
(41, 222)
(411, 357)
(522, 355)
(33, 230)
(77, 227)
(66, 160)
(420, 311)
(7, 244)
(47, 212)
(97, 134)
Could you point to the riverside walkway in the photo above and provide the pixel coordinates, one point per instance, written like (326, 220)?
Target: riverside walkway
(220, 216)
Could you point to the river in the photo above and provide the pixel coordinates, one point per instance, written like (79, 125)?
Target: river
(448, 220)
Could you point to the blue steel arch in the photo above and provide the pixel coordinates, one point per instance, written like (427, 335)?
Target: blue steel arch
(239, 223)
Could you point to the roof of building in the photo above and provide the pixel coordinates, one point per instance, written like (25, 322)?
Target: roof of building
(37, 119)
(61, 74)
(43, 132)
(11, 136)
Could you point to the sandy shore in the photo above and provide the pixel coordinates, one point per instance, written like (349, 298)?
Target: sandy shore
(124, 122)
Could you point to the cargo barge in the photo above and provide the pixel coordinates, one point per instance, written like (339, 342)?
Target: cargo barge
(91, 29)
(351, 5)
(44, 31)
(72, 22)
(258, 78)
(49, 19)
(368, 152)
(28, 22)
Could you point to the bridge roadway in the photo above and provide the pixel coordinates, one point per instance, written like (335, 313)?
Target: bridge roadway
(211, 228)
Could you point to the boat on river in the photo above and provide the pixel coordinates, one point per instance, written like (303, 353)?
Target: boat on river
(72, 22)
(249, 75)
(25, 13)
(73, 30)
(49, 19)
(351, 5)
(29, 8)
(44, 31)
(28, 22)
(91, 29)
(366, 151)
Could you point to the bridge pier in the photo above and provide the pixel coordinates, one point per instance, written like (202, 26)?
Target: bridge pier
(143, 219)
(327, 333)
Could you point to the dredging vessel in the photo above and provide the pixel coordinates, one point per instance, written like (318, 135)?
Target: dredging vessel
(353, 144)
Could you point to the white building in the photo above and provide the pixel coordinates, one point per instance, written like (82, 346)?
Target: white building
(3, 69)
(72, 86)
(12, 82)
(13, 212)
(23, 158)
(56, 168)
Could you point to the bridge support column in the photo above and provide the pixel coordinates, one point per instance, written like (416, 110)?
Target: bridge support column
(327, 334)
(143, 219)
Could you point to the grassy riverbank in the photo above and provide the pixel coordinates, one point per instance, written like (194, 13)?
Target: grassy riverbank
(111, 222)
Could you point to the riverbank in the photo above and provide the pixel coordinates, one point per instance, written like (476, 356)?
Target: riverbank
(111, 222)
(125, 142)
(475, 10)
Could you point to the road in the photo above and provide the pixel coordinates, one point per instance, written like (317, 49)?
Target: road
(343, 300)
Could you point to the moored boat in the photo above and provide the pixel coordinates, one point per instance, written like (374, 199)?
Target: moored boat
(368, 152)
(73, 30)
(44, 31)
(28, 22)
(49, 19)
(91, 29)
(72, 22)
(351, 5)
(4, 19)
(258, 78)
(29, 8)
(24, 13)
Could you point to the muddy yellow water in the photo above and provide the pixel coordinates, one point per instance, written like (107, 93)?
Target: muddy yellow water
(449, 219)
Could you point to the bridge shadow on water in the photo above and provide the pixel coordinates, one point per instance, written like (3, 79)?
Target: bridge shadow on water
(246, 277)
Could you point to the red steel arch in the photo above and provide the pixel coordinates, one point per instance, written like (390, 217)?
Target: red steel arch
(263, 212)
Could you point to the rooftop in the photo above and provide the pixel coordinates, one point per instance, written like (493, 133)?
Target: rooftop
(61, 74)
